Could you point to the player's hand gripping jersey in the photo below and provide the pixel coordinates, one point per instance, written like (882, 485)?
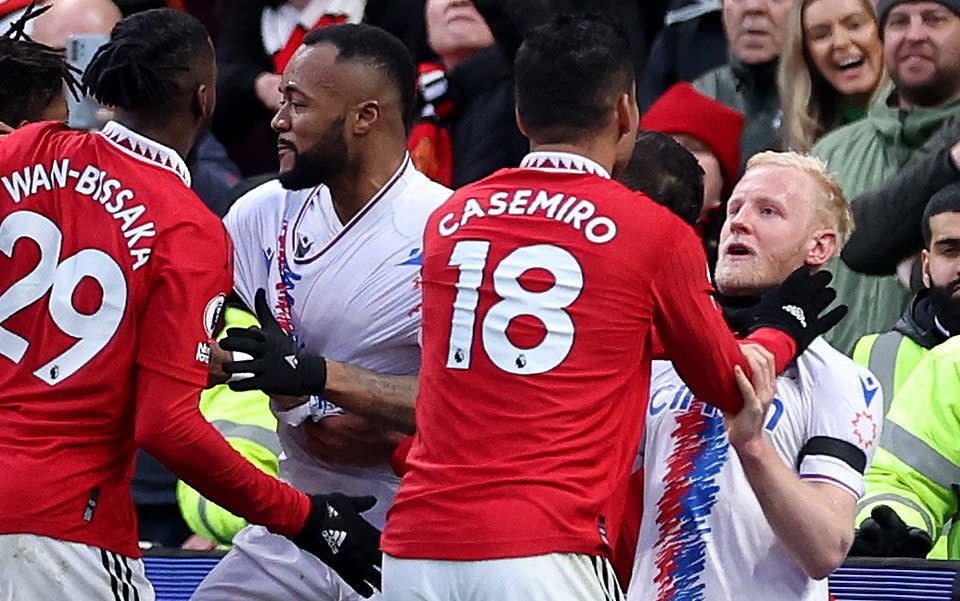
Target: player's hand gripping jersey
(541, 287)
(112, 278)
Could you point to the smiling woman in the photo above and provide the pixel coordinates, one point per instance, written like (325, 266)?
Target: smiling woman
(831, 67)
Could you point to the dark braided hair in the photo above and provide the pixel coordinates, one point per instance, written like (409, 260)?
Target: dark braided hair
(31, 74)
(140, 67)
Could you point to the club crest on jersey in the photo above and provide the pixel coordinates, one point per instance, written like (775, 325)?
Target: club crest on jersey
(865, 429)
(211, 314)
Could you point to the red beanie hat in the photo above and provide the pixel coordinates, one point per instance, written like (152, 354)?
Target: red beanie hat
(683, 110)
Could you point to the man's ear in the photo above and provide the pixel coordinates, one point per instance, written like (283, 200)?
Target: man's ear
(628, 114)
(368, 113)
(520, 126)
(822, 248)
(925, 268)
(201, 103)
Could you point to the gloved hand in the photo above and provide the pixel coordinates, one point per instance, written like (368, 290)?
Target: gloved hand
(884, 534)
(337, 534)
(794, 307)
(277, 365)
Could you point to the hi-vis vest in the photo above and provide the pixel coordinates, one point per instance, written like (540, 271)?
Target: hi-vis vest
(891, 357)
(248, 424)
(916, 470)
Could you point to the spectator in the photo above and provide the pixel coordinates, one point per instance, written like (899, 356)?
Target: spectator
(259, 38)
(691, 43)
(932, 318)
(755, 31)
(890, 217)
(665, 171)
(832, 65)
(467, 128)
(921, 50)
(912, 487)
(934, 314)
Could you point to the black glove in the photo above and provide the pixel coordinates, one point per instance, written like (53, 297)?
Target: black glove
(794, 307)
(339, 537)
(278, 366)
(884, 534)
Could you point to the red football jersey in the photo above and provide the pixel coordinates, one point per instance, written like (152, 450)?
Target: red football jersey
(540, 289)
(112, 277)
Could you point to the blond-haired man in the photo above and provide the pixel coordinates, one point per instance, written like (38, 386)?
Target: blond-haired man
(760, 505)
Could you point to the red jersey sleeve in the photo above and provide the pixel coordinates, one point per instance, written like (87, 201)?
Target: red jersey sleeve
(192, 274)
(692, 331)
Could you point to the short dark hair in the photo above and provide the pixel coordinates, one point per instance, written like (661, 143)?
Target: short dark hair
(569, 74)
(946, 200)
(377, 48)
(31, 74)
(140, 67)
(665, 171)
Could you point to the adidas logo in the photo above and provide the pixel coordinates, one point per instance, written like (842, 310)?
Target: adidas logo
(334, 539)
(797, 312)
(292, 360)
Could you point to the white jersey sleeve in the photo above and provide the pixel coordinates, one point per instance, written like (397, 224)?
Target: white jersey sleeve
(845, 422)
(243, 225)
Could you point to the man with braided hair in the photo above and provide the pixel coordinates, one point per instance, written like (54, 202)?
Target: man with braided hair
(32, 77)
(113, 280)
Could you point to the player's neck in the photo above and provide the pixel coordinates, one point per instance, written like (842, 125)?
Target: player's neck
(180, 139)
(599, 153)
(358, 184)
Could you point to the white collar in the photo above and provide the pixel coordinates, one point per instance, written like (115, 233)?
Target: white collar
(325, 202)
(145, 149)
(562, 162)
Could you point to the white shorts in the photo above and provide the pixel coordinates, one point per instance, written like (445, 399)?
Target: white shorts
(34, 568)
(266, 567)
(553, 577)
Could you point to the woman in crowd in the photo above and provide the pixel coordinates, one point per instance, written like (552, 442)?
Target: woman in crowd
(831, 67)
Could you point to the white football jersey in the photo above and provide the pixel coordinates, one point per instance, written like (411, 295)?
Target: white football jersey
(348, 292)
(703, 536)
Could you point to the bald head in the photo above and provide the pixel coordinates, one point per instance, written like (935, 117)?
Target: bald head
(68, 17)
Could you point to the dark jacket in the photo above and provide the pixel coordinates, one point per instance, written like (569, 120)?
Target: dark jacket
(889, 218)
(751, 90)
(483, 131)
(511, 19)
(682, 51)
(917, 322)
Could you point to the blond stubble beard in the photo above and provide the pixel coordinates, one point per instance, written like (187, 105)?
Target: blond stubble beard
(733, 280)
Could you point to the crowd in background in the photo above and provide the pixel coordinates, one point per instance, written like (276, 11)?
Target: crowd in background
(872, 90)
